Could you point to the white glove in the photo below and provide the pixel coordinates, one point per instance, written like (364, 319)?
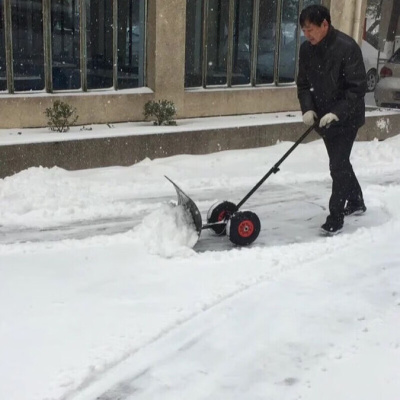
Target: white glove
(309, 117)
(328, 119)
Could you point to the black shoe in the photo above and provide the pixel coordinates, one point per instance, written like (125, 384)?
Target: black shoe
(354, 209)
(332, 226)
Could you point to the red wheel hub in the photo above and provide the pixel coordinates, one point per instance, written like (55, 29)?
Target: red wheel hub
(222, 215)
(246, 228)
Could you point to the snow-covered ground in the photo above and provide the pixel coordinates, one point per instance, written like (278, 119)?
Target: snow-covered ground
(103, 297)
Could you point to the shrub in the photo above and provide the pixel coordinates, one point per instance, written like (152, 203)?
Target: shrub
(61, 116)
(161, 111)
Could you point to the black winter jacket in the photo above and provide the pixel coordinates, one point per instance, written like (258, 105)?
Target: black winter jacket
(332, 79)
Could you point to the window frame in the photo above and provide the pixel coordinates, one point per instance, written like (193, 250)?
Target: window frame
(47, 49)
(254, 47)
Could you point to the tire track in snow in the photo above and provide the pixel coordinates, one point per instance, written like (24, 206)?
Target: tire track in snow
(283, 258)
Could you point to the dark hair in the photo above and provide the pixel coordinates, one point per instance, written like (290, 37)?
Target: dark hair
(315, 14)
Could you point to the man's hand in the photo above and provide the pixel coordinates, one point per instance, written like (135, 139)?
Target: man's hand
(309, 117)
(327, 119)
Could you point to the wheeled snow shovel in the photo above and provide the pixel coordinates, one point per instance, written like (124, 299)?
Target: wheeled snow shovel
(224, 217)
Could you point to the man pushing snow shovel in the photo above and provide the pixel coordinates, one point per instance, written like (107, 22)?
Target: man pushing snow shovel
(331, 86)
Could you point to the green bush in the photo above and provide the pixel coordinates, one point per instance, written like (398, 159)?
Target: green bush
(61, 116)
(161, 111)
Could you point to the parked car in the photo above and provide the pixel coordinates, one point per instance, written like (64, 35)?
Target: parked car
(370, 56)
(387, 91)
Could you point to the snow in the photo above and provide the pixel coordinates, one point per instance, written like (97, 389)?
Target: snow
(16, 136)
(103, 295)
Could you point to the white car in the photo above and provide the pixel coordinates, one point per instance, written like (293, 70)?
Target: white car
(370, 56)
(387, 91)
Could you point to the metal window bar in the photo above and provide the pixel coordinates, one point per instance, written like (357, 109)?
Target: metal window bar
(229, 61)
(301, 3)
(254, 45)
(143, 27)
(205, 43)
(8, 44)
(254, 55)
(47, 43)
(278, 34)
(83, 49)
(115, 44)
(298, 39)
(48, 67)
(229, 58)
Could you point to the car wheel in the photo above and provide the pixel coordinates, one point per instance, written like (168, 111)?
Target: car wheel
(372, 79)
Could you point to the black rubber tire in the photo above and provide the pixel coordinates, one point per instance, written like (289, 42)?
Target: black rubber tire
(243, 228)
(220, 211)
(372, 80)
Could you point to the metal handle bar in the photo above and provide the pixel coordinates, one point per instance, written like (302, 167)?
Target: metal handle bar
(275, 168)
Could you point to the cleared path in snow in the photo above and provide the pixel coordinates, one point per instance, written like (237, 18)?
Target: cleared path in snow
(286, 348)
(288, 214)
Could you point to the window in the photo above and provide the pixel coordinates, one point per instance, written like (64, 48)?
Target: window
(65, 44)
(242, 42)
(194, 43)
(71, 44)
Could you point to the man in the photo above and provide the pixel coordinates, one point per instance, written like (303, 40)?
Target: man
(331, 86)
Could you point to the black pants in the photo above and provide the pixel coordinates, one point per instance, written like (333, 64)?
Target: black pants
(345, 185)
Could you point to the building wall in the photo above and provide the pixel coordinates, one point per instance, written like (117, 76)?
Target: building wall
(165, 79)
(349, 16)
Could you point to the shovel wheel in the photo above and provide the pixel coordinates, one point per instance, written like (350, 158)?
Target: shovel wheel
(220, 212)
(243, 228)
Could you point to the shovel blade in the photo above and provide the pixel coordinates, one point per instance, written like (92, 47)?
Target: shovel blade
(190, 206)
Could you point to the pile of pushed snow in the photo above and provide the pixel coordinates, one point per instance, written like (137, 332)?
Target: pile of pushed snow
(168, 231)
